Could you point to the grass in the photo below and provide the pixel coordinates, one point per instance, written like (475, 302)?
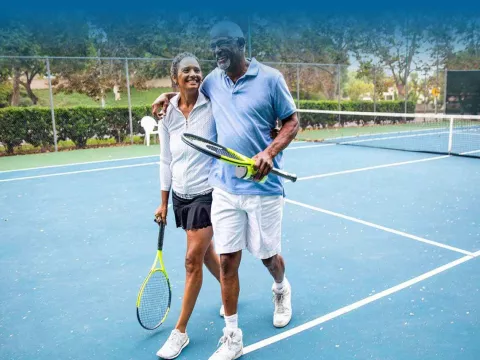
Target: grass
(138, 97)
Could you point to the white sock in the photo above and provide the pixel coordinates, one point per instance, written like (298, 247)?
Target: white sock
(279, 286)
(231, 321)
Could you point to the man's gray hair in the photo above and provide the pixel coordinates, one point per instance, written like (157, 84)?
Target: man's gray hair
(226, 28)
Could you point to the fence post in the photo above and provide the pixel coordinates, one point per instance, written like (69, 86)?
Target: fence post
(54, 127)
(338, 92)
(298, 86)
(129, 101)
(339, 95)
(374, 89)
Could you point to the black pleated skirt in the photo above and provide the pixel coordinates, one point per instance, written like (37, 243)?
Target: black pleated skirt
(191, 214)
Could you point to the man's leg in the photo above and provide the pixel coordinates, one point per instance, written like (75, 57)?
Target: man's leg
(276, 267)
(229, 264)
(229, 226)
(264, 242)
(282, 291)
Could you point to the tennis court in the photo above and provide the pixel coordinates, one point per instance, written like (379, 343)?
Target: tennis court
(382, 250)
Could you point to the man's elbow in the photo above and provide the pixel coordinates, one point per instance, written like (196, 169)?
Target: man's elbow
(292, 124)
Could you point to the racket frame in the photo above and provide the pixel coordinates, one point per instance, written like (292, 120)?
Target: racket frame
(158, 260)
(241, 161)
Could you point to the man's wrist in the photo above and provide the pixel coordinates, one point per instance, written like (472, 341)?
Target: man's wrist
(271, 152)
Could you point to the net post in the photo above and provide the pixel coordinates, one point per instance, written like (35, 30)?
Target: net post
(50, 92)
(129, 101)
(450, 136)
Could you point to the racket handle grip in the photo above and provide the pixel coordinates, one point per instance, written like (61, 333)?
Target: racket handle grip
(284, 174)
(161, 233)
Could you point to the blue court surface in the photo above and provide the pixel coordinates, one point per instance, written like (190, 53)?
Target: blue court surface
(382, 250)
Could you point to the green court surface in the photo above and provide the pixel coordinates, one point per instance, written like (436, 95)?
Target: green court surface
(329, 133)
(76, 156)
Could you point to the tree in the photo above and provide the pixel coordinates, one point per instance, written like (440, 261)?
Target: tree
(392, 43)
(356, 88)
(17, 39)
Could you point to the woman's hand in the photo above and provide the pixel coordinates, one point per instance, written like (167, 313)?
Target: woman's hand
(161, 213)
(160, 105)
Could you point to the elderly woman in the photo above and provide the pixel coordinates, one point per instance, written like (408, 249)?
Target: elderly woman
(185, 171)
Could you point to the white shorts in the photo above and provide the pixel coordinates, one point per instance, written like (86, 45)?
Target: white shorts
(252, 222)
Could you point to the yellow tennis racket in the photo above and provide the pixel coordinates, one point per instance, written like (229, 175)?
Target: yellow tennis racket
(245, 165)
(155, 295)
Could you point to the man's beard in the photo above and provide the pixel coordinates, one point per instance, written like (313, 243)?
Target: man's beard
(225, 65)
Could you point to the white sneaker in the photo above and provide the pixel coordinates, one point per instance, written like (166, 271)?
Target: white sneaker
(283, 305)
(174, 345)
(222, 311)
(231, 345)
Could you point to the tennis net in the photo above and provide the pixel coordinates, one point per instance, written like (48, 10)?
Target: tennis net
(430, 133)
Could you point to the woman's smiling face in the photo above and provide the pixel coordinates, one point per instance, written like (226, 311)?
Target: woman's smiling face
(189, 74)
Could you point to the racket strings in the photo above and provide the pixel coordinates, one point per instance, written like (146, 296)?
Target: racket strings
(155, 300)
(222, 152)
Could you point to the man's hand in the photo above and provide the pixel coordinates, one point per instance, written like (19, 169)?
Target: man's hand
(161, 214)
(160, 105)
(263, 165)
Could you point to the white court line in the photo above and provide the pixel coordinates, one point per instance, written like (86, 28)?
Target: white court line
(308, 146)
(80, 163)
(109, 168)
(303, 178)
(77, 172)
(476, 254)
(346, 309)
(133, 158)
(470, 152)
(372, 167)
(380, 227)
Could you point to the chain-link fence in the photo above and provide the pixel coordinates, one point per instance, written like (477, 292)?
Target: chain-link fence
(107, 97)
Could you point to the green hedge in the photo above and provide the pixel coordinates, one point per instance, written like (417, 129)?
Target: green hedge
(326, 120)
(78, 124)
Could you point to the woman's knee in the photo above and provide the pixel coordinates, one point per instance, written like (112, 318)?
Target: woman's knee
(193, 263)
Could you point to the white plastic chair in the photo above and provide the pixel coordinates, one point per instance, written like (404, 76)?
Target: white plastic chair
(149, 124)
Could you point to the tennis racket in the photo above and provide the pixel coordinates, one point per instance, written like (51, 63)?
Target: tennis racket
(230, 156)
(155, 295)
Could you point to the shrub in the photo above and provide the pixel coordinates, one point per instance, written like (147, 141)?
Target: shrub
(326, 120)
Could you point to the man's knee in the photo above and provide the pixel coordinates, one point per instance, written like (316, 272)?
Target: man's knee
(271, 262)
(229, 264)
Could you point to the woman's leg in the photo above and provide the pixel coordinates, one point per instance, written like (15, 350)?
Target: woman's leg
(198, 241)
(212, 261)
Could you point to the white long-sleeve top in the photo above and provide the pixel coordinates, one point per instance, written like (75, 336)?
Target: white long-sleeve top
(183, 168)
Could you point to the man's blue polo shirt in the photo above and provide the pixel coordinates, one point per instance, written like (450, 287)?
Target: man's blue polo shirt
(245, 113)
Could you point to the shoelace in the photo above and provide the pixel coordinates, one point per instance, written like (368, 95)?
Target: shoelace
(224, 340)
(278, 301)
(175, 337)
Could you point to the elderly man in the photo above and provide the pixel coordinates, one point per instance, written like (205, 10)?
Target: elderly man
(247, 100)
